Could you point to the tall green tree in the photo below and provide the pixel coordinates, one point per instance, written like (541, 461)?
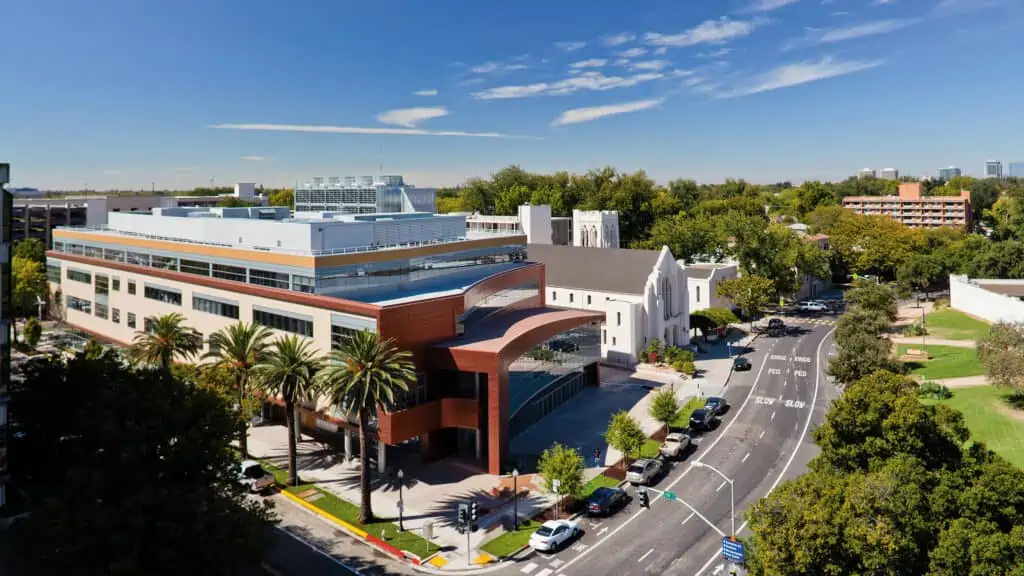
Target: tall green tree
(873, 296)
(1001, 352)
(238, 349)
(289, 371)
(625, 434)
(30, 283)
(362, 376)
(751, 293)
(921, 273)
(664, 406)
(128, 472)
(283, 197)
(565, 465)
(31, 249)
(164, 339)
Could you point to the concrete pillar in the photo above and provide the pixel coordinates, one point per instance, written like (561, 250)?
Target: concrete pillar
(479, 431)
(348, 444)
(382, 455)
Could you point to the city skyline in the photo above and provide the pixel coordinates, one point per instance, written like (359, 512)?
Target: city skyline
(739, 89)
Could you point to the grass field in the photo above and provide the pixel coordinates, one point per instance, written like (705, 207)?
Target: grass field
(509, 542)
(991, 420)
(683, 418)
(951, 324)
(946, 362)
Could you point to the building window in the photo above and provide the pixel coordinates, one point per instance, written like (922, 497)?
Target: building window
(303, 284)
(161, 295)
(554, 295)
(570, 297)
(130, 320)
(53, 273)
(233, 273)
(618, 318)
(268, 278)
(604, 336)
(74, 303)
(613, 340)
(164, 262)
(214, 347)
(340, 333)
(195, 267)
(215, 307)
(101, 310)
(283, 322)
(116, 283)
(588, 299)
(115, 315)
(131, 286)
(698, 293)
(79, 276)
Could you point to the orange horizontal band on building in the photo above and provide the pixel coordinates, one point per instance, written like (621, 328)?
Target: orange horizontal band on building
(270, 257)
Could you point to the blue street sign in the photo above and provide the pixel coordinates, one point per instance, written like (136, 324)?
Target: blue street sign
(733, 550)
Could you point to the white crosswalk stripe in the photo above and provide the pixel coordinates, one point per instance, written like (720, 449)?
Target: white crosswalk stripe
(557, 562)
(545, 572)
(529, 568)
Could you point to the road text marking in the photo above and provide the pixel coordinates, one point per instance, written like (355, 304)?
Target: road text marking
(747, 455)
(803, 359)
(800, 373)
(778, 357)
(774, 371)
(764, 401)
(646, 555)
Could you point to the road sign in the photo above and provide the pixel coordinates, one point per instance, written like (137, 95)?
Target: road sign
(555, 485)
(733, 550)
(669, 495)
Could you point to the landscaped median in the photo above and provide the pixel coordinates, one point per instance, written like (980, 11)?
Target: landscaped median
(384, 535)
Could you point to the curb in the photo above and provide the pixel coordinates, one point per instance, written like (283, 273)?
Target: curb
(358, 533)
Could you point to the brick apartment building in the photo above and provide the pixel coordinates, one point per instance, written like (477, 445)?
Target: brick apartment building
(912, 208)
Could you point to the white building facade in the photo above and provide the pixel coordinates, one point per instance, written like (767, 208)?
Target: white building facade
(702, 282)
(595, 228)
(363, 195)
(642, 293)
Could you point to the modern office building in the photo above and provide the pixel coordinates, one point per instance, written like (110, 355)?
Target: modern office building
(890, 174)
(866, 173)
(993, 169)
(362, 195)
(491, 357)
(6, 286)
(912, 208)
(1015, 169)
(641, 294)
(948, 174)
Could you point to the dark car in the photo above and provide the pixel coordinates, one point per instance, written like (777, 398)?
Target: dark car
(776, 324)
(716, 405)
(702, 419)
(741, 364)
(606, 500)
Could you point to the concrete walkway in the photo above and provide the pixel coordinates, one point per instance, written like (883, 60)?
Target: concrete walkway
(933, 341)
(964, 382)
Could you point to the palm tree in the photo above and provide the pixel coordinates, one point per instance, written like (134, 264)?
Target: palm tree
(239, 348)
(362, 377)
(164, 338)
(289, 371)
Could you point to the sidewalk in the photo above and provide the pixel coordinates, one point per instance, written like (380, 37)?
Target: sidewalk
(933, 341)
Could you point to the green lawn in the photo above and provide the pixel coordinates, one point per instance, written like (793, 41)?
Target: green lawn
(349, 512)
(650, 448)
(596, 482)
(951, 324)
(945, 362)
(509, 542)
(683, 418)
(991, 420)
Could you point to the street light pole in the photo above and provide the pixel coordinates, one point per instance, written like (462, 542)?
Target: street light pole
(732, 491)
(515, 499)
(401, 503)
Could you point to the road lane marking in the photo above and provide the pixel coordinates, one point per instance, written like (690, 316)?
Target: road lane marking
(692, 509)
(761, 435)
(687, 518)
(719, 568)
(720, 486)
(557, 562)
(773, 414)
(602, 531)
(747, 455)
(706, 451)
(807, 425)
(529, 568)
(641, 558)
(545, 572)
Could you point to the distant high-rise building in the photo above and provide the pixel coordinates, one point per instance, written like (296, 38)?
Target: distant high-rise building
(993, 169)
(1015, 169)
(866, 173)
(890, 174)
(949, 173)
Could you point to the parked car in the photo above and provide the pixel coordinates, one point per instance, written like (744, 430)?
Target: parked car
(644, 471)
(254, 477)
(605, 500)
(702, 419)
(675, 445)
(741, 364)
(776, 324)
(811, 306)
(716, 405)
(554, 533)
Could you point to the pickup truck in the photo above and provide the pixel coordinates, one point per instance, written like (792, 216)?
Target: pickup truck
(674, 446)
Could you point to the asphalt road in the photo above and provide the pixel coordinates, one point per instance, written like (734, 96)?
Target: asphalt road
(762, 440)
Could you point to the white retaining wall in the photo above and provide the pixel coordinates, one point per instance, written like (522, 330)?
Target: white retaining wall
(967, 297)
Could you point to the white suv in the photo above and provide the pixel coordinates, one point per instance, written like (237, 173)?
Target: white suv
(811, 306)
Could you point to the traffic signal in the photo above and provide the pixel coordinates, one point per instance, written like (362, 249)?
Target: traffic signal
(474, 512)
(645, 499)
(462, 514)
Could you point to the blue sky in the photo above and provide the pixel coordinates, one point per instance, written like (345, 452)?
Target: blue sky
(123, 93)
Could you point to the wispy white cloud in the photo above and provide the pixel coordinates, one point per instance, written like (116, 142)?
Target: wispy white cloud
(852, 32)
(707, 32)
(840, 13)
(680, 73)
(721, 52)
(952, 7)
(497, 68)
(633, 52)
(410, 117)
(768, 5)
(590, 80)
(650, 65)
(660, 51)
(570, 45)
(253, 158)
(617, 39)
(882, 2)
(591, 63)
(318, 129)
(471, 82)
(798, 73)
(578, 115)
(431, 92)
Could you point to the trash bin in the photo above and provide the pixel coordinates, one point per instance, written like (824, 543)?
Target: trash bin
(428, 529)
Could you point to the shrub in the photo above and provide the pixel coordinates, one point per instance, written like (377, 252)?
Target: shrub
(33, 332)
(933, 390)
(941, 303)
(915, 329)
(685, 367)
